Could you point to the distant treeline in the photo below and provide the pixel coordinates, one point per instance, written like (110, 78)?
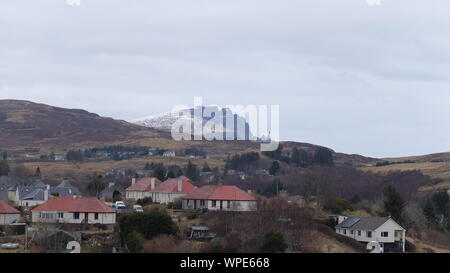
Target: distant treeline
(302, 158)
(387, 163)
(116, 152)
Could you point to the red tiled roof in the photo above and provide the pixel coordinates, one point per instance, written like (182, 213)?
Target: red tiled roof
(75, 204)
(5, 208)
(143, 184)
(171, 185)
(220, 193)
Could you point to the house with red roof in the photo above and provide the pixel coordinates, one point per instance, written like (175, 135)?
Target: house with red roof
(74, 210)
(172, 189)
(8, 214)
(212, 197)
(141, 188)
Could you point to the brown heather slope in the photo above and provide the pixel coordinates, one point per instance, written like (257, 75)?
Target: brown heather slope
(436, 166)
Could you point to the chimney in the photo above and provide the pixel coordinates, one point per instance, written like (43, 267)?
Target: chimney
(133, 180)
(180, 184)
(249, 191)
(47, 188)
(153, 183)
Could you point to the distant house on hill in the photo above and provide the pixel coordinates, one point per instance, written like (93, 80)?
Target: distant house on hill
(74, 210)
(227, 198)
(172, 189)
(383, 230)
(8, 214)
(141, 188)
(262, 172)
(169, 154)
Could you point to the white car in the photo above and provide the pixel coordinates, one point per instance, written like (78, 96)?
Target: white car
(119, 205)
(138, 208)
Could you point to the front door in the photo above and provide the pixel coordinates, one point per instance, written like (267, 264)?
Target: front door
(221, 204)
(86, 217)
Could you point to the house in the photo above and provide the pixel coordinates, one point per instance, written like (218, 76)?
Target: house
(8, 214)
(113, 192)
(141, 188)
(169, 154)
(38, 193)
(31, 195)
(6, 182)
(58, 157)
(172, 189)
(65, 189)
(262, 172)
(228, 198)
(383, 230)
(74, 210)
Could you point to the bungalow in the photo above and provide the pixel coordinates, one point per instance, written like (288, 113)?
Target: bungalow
(141, 188)
(382, 230)
(8, 214)
(74, 210)
(31, 195)
(228, 198)
(172, 189)
(38, 193)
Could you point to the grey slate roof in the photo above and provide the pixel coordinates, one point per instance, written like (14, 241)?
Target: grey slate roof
(31, 193)
(363, 223)
(6, 182)
(65, 189)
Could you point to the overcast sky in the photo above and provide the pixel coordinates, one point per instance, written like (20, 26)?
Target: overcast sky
(357, 78)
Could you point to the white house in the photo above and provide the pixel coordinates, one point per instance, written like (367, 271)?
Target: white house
(172, 189)
(28, 196)
(383, 230)
(74, 210)
(141, 188)
(169, 154)
(8, 214)
(227, 198)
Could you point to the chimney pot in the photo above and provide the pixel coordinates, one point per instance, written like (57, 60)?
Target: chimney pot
(153, 183)
(180, 184)
(133, 181)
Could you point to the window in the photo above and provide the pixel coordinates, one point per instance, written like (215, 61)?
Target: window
(359, 232)
(345, 231)
(351, 232)
(202, 202)
(213, 203)
(76, 215)
(60, 215)
(96, 216)
(369, 234)
(228, 204)
(384, 234)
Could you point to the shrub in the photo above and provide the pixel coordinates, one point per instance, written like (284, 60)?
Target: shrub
(337, 205)
(135, 242)
(144, 201)
(175, 205)
(160, 244)
(149, 224)
(273, 242)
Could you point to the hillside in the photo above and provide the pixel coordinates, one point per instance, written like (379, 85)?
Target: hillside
(27, 127)
(436, 166)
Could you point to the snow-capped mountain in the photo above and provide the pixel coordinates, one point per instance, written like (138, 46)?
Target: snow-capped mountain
(229, 122)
